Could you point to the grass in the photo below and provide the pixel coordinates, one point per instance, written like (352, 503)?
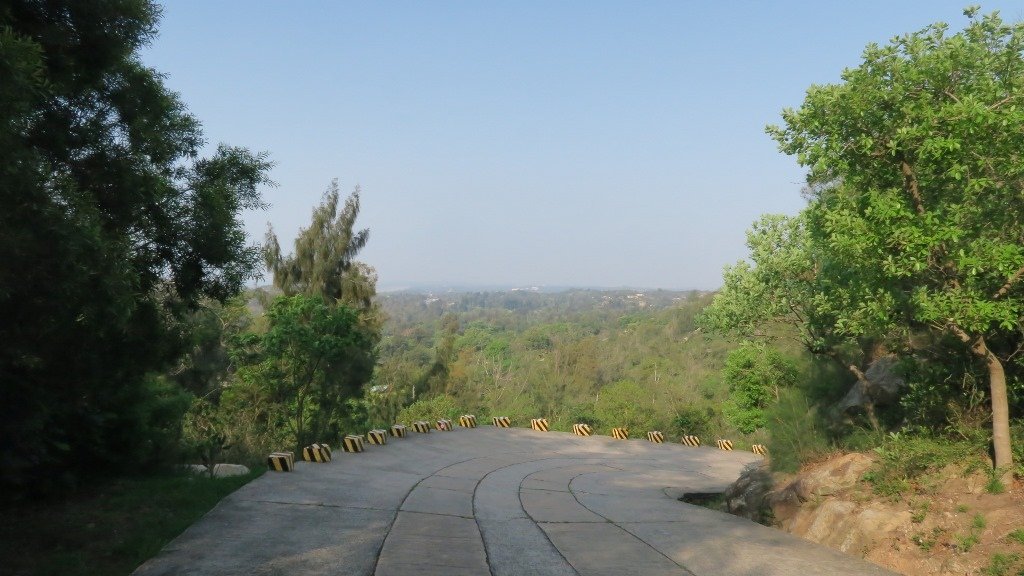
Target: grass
(1000, 564)
(1017, 535)
(110, 530)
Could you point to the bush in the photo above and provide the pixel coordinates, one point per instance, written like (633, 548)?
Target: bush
(905, 457)
(796, 430)
(697, 421)
(430, 409)
(625, 403)
(756, 374)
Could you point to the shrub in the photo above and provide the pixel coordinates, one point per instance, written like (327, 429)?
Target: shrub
(796, 431)
(430, 409)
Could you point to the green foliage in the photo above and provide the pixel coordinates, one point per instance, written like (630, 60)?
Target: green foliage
(796, 431)
(311, 360)
(1017, 535)
(1000, 564)
(204, 433)
(755, 375)
(914, 199)
(323, 263)
(626, 403)
(904, 458)
(430, 410)
(113, 229)
(696, 421)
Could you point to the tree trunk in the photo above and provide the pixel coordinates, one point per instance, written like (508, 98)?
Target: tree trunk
(1000, 402)
(1000, 408)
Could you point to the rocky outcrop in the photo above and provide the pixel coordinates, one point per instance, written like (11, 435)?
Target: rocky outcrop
(879, 385)
(746, 496)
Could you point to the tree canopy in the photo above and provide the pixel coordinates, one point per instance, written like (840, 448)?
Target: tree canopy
(113, 226)
(915, 219)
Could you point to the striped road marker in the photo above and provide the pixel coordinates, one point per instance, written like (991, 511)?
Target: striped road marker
(582, 429)
(352, 443)
(656, 437)
(620, 433)
(421, 426)
(724, 444)
(502, 421)
(444, 424)
(467, 421)
(399, 431)
(540, 424)
(317, 453)
(378, 437)
(281, 461)
(759, 449)
(690, 440)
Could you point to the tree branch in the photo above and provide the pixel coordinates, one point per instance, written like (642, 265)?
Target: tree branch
(1005, 289)
(910, 184)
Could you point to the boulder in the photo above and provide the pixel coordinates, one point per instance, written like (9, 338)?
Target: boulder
(746, 496)
(225, 470)
(881, 385)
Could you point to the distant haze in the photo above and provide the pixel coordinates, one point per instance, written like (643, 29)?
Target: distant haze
(517, 144)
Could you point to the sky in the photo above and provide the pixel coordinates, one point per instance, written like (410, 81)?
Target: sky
(575, 143)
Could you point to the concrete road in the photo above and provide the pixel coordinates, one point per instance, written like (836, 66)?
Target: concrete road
(494, 501)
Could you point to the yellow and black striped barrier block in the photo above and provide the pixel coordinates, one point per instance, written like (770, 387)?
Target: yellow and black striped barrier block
(467, 421)
(656, 437)
(399, 431)
(421, 426)
(620, 433)
(352, 443)
(378, 437)
(281, 462)
(724, 444)
(690, 440)
(582, 429)
(759, 449)
(317, 453)
(444, 425)
(502, 421)
(540, 424)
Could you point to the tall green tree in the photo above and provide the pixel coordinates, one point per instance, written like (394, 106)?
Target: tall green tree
(917, 185)
(112, 227)
(313, 358)
(323, 262)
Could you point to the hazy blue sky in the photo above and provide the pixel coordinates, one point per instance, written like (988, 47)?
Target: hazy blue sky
(578, 143)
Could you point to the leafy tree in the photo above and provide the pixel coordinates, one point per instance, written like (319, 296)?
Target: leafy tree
(324, 260)
(312, 359)
(755, 374)
(916, 178)
(112, 230)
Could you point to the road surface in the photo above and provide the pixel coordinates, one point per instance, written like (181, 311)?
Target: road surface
(494, 501)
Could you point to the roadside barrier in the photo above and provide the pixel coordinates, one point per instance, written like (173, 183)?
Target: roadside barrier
(582, 429)
(759, 449)
(690, 440)
(378, 437)
(656, 437)
(620, 433)
(502, 421)
(724, 444)
(421, 426)
(317, 453)
(444, 424)
(281, 462)
(352, 443)
(399, 431)
(540, 424)
(467, 421)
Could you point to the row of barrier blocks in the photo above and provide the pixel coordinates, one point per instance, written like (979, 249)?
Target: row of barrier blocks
(319, 452)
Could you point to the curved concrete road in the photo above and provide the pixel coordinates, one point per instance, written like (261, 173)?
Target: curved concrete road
(493, 501)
